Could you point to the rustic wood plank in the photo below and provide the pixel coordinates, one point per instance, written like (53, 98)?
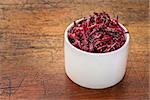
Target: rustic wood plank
(31, 49)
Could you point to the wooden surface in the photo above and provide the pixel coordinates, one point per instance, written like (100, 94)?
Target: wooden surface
(31, 49)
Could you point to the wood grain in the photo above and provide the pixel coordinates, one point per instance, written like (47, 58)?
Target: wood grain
(31, 49)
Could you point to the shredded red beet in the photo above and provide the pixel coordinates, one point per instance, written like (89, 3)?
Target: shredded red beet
(98, 34)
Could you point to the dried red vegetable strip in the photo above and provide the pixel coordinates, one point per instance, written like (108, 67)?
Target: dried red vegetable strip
(97, 33)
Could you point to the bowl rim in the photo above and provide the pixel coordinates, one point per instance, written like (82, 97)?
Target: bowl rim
(91, 53)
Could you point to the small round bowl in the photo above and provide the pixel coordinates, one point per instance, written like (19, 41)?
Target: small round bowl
(95, 70)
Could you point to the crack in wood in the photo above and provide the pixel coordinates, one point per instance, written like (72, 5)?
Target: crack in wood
(10, 89)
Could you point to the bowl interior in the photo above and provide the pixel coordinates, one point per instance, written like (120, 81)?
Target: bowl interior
(95, 54)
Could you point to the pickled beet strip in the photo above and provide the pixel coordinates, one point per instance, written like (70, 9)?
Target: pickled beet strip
(97, 33)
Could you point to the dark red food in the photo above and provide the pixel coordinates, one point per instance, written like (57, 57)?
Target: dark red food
(98, 34)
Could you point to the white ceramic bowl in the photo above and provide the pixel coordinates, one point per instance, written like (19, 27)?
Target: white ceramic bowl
(95, 70)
